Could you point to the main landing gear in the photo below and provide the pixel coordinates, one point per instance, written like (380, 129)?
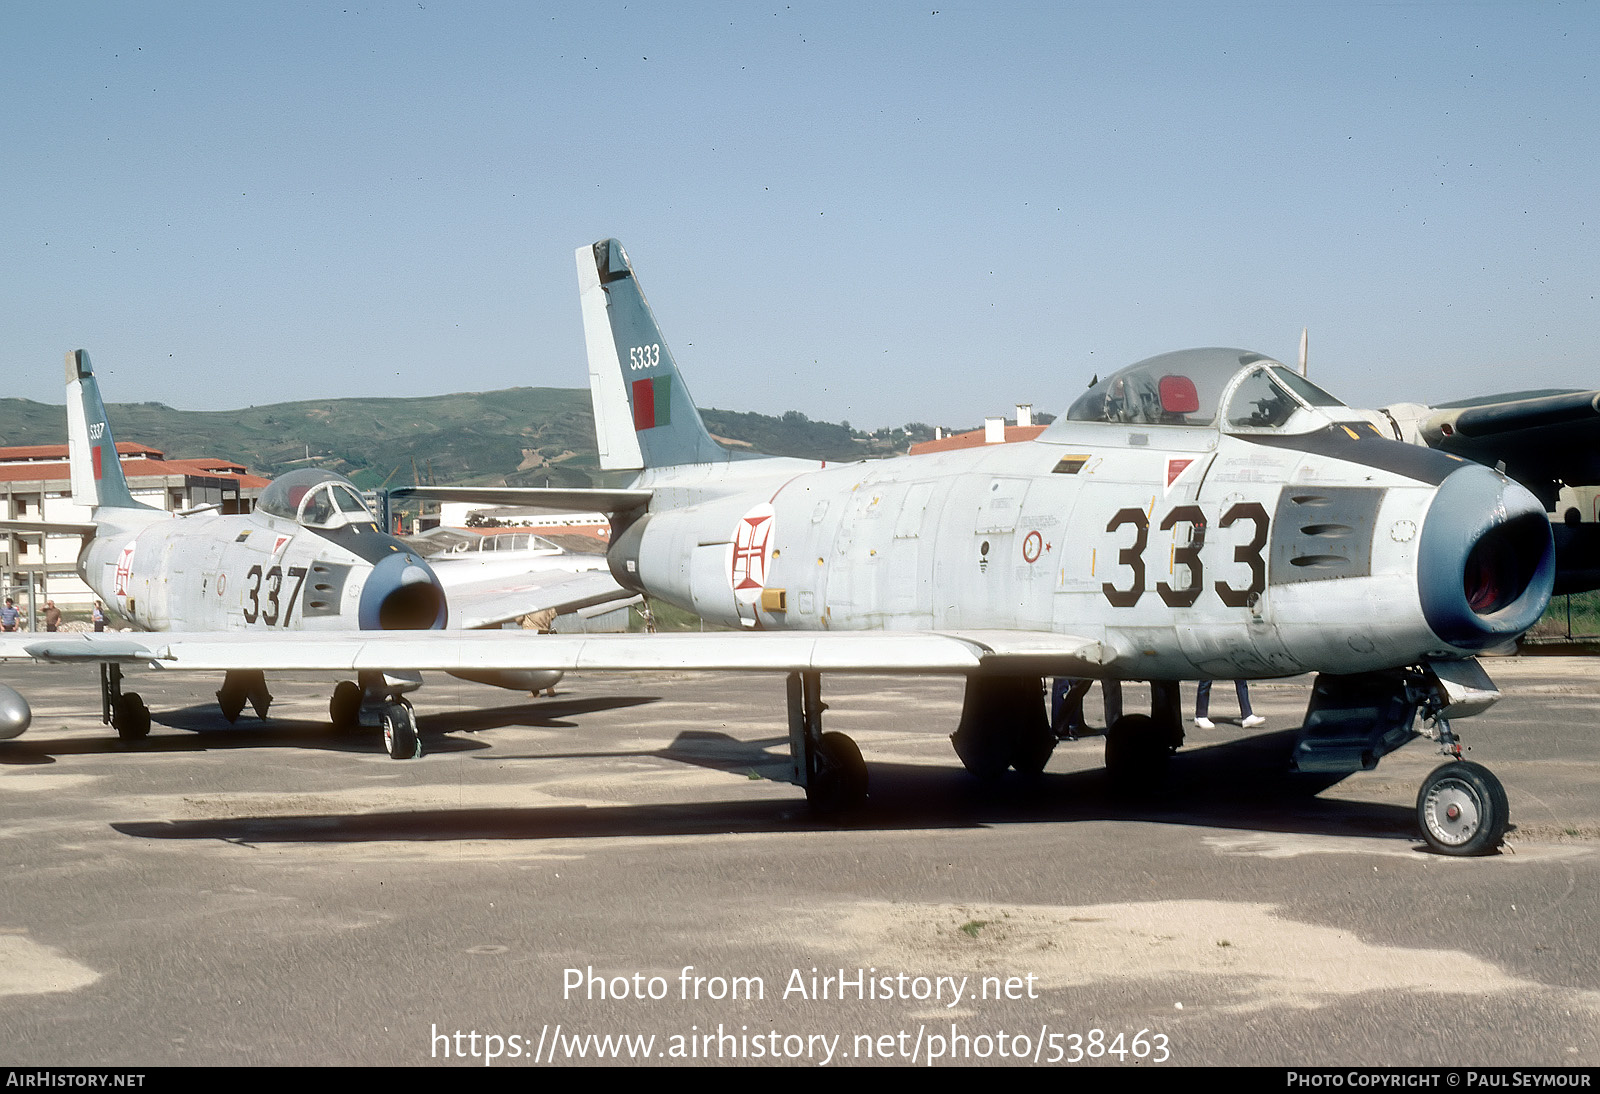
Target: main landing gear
(828, 765)
(124, 711)
(1139, 746)
(1004, 724)
(379, 699)
(242, 686)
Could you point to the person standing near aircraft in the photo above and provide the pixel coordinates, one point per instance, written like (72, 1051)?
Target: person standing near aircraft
(1067, 694)
(1202, 706)
(98, 615)
(8, 615)
(52, 616)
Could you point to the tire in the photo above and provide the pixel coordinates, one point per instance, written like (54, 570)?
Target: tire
(840, 782)
(985, 751)
(400, 738)
(344, 709)
(1137, 752)
(131, 717)
(1462, 810)
(1029, 757)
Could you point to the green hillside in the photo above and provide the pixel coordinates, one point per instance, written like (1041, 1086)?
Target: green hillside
(520, 437)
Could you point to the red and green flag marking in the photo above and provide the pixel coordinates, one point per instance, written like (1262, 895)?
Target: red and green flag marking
(652, 402)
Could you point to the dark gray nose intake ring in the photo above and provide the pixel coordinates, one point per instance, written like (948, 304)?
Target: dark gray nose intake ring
(402, 594)
(1485, 561)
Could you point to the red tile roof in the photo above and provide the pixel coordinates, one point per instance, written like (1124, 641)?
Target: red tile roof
(45, 452)
(974, 438)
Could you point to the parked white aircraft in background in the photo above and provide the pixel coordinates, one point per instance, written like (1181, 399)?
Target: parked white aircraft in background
(311, 557)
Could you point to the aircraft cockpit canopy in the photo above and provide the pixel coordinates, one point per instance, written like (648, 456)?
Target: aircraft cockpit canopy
(1187, 388)
(316, 499)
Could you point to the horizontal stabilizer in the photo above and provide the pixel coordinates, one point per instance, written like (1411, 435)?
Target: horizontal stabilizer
(49, 527)
(764, 651)
(493, 601)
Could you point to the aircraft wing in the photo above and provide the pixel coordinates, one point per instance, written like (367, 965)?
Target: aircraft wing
(1543, 439)
(953, 652)
(556, 499)
(48, 527)
(492, 601)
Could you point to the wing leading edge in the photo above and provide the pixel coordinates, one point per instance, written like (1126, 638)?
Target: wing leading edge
(877, 652)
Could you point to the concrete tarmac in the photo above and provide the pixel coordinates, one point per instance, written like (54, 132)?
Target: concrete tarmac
(619, 872)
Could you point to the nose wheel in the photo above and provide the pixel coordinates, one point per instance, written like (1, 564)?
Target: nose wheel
(1462, 809)
(400, 731)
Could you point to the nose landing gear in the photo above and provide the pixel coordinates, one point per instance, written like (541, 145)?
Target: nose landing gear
(1461, 807)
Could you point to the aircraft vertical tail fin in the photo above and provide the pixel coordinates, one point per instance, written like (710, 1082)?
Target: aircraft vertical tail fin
(97, 477)
(643, 414)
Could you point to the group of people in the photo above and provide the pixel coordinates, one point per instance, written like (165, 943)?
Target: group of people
(1068, 692)
(11, 616)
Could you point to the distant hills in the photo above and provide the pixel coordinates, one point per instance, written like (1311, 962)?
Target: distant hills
(524, 436)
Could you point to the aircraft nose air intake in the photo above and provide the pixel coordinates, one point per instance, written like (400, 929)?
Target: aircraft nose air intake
(1486, 561)
(403, 594)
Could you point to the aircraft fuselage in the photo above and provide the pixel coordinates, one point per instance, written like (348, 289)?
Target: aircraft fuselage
(257, 571)
(1189, 553)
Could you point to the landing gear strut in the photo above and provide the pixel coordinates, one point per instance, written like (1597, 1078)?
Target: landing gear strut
(123, 711)
(828, 765)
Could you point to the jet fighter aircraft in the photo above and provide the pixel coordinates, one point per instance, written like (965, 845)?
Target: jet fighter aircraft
(1206, 513)
(311, 557)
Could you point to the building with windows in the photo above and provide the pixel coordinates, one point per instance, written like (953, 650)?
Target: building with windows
(36, 484)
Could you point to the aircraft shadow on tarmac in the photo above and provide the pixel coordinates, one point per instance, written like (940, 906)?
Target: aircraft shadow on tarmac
(206, 730)
(1242, 785)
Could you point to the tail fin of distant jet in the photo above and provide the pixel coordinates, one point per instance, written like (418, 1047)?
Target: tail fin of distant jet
(96, 473)
(643, 415)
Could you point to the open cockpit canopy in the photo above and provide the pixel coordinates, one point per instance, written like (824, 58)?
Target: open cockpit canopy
(1242, 391)
(316, 499)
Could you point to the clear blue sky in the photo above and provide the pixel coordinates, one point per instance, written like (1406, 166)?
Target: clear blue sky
(877, 212)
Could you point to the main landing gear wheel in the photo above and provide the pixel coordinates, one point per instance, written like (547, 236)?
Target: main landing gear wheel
(985, 754)
(840, 781)
(1137, 751)
(231, 703)
(1032, 752)
(400, 731)
(1462, 809)
(130, 717)
(344, 709)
